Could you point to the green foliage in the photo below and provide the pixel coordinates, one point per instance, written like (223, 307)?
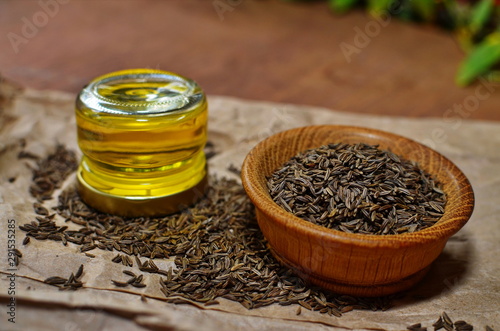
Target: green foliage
(480, 59)
(375, 7)
(476, 25)
(480, 15)
(426, 9)
(341, 6)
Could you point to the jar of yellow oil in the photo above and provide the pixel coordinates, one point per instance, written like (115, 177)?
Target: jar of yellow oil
(142, 134)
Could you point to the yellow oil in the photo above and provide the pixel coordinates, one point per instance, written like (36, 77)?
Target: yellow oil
(142, 133)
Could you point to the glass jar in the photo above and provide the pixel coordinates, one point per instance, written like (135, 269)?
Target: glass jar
(142, 134)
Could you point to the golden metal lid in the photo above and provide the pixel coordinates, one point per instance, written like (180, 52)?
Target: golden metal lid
(137, 207)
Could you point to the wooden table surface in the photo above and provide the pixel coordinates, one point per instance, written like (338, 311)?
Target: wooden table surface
(254, 49)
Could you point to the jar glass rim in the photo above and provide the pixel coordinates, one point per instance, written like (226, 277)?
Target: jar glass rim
(140, 92)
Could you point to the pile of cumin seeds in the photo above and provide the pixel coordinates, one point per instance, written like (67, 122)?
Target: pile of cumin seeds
(218, 249)
(358, 188)
(50, 172)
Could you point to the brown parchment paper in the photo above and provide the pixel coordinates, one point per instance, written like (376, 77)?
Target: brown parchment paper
(464, 281)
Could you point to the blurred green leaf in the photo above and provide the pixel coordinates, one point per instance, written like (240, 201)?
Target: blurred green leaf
(405, 12)
(376, 7)
(479, 60)
(458, 11)
(341, 6)
(480, 14)
(425, 9)
(464, 38)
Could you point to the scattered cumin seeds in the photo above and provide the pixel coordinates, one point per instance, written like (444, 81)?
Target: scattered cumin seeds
(79, 272)
(136, 284)
(210, 150)
(127, 261)
(447, 322)
(463, 326)
(233, 169)
(40, 209)
(55, 280)
(444, 321)
(119, 284)
(416, 327)
(117, 259)
(135, 281)
(72, 283)
(207, 241)
(87, 247)
(438, 324)
(27, 155)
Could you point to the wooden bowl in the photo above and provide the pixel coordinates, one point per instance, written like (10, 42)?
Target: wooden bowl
(354, 264)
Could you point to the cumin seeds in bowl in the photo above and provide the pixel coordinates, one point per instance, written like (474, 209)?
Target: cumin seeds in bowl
(358, 188)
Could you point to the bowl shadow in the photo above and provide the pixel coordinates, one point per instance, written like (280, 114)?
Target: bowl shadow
(446, 273)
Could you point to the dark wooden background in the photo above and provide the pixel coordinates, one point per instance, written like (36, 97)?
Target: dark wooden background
(263, 50)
